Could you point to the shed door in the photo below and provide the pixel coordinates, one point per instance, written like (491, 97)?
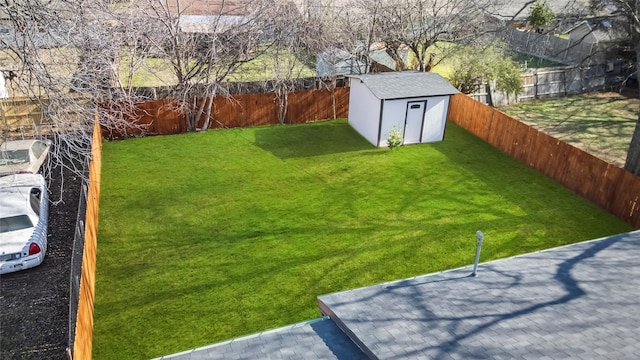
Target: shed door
(413, 121)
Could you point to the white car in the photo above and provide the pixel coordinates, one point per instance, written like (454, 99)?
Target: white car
(23, 156)
(24, 210)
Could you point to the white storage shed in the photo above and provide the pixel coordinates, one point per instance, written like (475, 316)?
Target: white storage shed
(414, 103)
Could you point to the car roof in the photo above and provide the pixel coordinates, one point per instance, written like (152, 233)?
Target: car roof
(13, 202)
(19, 144)
(21, 180)
(14, 193)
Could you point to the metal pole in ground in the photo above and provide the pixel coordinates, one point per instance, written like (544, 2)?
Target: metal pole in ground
(480, 236)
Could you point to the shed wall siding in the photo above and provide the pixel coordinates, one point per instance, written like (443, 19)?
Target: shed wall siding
(364, 111)
(435, 119)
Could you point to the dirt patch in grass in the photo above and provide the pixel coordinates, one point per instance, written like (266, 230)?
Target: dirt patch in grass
(601, 124)
(34, 303)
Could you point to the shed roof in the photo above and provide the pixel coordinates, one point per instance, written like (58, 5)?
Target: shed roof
(406, 84)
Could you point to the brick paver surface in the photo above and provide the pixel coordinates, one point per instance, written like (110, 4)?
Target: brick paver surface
(576, 302)
(320, 339)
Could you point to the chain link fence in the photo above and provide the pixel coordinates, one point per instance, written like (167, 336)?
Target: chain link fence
(76, 261)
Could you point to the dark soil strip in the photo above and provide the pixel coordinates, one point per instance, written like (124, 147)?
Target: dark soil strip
(34, 303)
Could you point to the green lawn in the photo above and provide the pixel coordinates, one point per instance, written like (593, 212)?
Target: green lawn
(599, 123)
(445, 67)
(208, 236)
(158, 71)
(527, 61)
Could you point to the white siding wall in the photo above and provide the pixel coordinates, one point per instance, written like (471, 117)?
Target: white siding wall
(394, 114)
(435, 119)
(364, 111)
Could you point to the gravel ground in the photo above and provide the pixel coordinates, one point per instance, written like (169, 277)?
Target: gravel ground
(34, 303)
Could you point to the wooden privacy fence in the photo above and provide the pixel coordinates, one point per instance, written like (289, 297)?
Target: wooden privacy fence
(552, 83)
(163, 117)
(613, 188)
(20, 112)
(83, 341)
(604, 184)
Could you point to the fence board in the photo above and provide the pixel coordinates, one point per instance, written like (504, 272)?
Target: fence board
(84, 326)
(16, 112)
(612, 188)
(625, 198)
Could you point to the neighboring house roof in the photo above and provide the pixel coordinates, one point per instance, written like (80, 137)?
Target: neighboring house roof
(381, 57)
(341, 62)
(406, 84)
(207, 16)
(331, 62)
(209, 23)
(594, 30)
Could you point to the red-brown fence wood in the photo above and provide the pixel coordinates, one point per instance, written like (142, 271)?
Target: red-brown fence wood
(164, 117)
(608, 186)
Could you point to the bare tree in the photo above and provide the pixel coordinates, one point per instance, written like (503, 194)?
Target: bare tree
(63, 56)
(289, 34)
(353, 29)
(202, 44)
(626, 13)
(623, 19)
(419, 24)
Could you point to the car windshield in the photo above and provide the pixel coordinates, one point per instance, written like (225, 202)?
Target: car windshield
(14, 157)
(14, 223)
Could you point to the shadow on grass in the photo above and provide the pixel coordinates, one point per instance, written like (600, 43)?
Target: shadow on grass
(580, 114)
(601, 123)
(505, 175)
(294, 141)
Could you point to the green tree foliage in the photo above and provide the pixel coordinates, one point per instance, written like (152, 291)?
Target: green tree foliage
(540, 14)
(471, 66)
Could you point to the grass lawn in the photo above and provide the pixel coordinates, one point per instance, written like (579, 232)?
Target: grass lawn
(158, 71)
(445, 67)
(208, 236)
(150, 72)
(527, 61)
(599, 123)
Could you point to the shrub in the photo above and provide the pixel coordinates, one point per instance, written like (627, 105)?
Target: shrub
(540, 14)
(394, 139)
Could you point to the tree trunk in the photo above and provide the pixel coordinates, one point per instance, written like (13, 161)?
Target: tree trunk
(633, 156)
(282, 96)
(207, 116)
(632, 164)
(192, 122)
